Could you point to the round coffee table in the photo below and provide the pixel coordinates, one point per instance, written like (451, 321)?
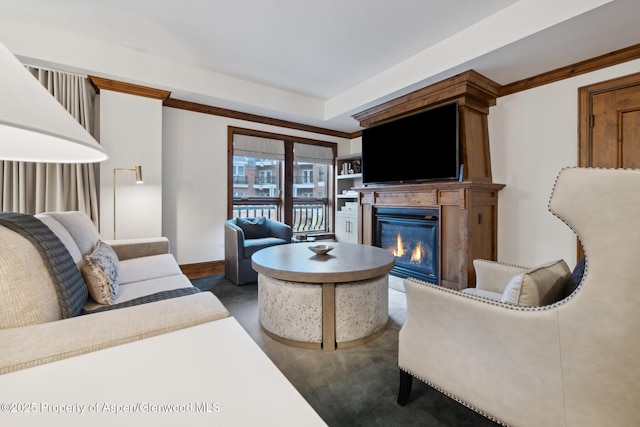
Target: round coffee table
(323, 301)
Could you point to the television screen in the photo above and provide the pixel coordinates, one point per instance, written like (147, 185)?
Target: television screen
(420, 147)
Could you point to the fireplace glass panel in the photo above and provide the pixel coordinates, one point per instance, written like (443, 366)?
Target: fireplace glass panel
(412, 237)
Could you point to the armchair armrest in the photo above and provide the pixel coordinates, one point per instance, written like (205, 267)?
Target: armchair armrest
(136, 248)
(29, 346)
(235, 236)
(281, 230)
(494, 276)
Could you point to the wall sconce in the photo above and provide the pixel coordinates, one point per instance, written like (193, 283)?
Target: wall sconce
(138, 171)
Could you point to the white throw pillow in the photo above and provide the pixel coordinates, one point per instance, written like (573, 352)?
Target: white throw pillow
(539, 286)
(101, 271)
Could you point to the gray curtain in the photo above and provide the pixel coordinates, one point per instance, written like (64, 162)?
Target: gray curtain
(40, 187)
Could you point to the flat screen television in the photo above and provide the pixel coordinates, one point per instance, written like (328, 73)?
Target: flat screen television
(416, 148)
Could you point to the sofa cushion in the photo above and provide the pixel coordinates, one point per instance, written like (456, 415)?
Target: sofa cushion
(134, 290)
(147, 268)
(63, 235)
(253, 228)
(538, 286)
(251, 246)
(101, 271)
(81, 228)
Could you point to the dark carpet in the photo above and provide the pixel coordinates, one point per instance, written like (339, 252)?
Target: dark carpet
(350, 387)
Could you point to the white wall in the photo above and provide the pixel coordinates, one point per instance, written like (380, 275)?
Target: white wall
(131, 132)
(533, 135)
(194, 180)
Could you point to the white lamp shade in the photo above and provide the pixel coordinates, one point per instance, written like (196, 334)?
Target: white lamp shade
(34, 126)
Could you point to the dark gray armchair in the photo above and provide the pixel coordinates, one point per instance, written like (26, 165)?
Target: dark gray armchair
(245, 236)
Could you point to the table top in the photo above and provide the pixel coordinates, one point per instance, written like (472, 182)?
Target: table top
(212, 374)
(347, 262)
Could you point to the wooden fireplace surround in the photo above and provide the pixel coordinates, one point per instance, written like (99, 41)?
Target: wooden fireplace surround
(469, 208)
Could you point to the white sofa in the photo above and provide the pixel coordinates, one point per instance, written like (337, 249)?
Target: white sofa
(35, 326)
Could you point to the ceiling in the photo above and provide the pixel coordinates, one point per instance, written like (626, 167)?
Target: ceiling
(315, 63)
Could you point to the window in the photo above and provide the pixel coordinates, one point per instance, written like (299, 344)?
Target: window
(281, 178)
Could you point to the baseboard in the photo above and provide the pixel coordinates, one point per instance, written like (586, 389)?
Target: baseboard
(202, 269)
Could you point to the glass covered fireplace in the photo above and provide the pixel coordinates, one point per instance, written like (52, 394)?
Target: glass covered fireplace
(411, 234)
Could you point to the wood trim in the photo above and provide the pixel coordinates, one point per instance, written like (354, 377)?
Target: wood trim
(585, 95)
(223, 112)
(272, 135)
(470, 89)
(328, 316)
(603, 61)
(230, 132)
(360, 341)
(616, 57)
(129, 88)
(585, 110)
(202, 269)
(288, 140)
(292, 343)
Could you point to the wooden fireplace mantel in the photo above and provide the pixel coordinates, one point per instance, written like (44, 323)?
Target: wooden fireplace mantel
(468, 209)
(468, 221)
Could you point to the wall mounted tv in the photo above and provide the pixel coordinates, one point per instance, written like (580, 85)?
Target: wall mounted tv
(416, 148)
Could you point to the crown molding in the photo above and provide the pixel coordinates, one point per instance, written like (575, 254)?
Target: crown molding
(223, 112)
(128, 88)
(603, 61)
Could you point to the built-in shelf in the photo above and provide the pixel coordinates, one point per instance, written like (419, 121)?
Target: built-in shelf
(348, 177)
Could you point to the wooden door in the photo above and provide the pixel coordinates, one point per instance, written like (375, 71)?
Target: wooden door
(609, 132)
(610, 113)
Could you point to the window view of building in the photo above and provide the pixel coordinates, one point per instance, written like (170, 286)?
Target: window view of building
(260, 188)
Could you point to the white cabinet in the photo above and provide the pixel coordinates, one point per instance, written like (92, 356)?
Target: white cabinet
(347, 227)
(348, 176)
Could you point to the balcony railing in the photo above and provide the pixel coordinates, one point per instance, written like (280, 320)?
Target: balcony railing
(255, 211)
(308, 216)
(265, 180)
(240, 180)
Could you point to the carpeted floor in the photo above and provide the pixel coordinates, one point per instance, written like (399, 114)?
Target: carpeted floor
(350, 387)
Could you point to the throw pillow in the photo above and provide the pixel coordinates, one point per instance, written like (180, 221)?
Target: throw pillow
(253, 228)
(101, 270)
(539, 286)
(576, 277)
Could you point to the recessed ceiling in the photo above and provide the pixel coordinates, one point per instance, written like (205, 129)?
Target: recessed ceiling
(312, 62)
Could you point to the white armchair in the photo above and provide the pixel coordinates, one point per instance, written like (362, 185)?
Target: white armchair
(569, 363)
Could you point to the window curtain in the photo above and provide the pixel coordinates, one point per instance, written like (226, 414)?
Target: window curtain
(255, 146)
(48, 187)
(312, 153)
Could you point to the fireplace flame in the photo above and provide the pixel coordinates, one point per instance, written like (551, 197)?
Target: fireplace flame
(418, 253)
(399, 249)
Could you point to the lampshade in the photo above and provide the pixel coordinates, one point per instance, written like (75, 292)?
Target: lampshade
(34, 126)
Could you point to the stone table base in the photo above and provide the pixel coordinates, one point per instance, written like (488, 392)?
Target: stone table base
(323, 315)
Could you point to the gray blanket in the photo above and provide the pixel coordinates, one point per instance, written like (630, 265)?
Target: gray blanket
(70, 286)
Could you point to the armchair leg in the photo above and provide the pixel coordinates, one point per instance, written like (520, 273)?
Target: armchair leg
(406, 380)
